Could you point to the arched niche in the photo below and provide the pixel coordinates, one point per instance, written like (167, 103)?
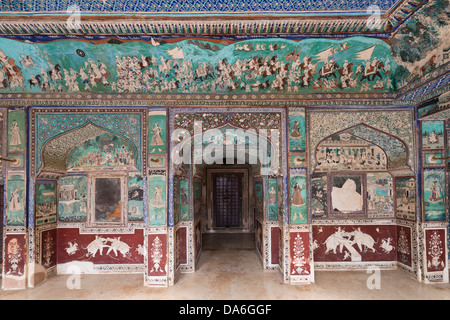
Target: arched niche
(99, 181)
(354, 173)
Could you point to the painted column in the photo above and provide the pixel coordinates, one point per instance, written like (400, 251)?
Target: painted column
(300, 258)
(15, 221)
(433, 226)
(156, 240)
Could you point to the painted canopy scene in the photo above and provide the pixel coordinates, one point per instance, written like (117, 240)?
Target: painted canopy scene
(355, 64)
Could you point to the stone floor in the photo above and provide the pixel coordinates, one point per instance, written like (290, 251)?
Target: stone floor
(235, 274)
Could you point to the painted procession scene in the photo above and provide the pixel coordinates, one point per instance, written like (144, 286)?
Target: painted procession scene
(355, 64)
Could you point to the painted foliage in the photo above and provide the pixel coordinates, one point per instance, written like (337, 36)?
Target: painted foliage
(157, 255)
(46, 202)
(104, 150)
(421, 44)
(434, 194)
(405, 202)
(380, 195)
(404, 251)
(187, 65)
(299, 252)
(319, 195)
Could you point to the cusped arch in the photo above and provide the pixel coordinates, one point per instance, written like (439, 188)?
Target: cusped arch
(55, 151)
(394, 148)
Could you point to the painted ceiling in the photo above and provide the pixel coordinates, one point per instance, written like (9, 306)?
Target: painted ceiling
(195, 6)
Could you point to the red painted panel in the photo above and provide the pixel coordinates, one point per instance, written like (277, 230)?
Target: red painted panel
(157, 255)
(354, 243)
(48, 248)
(15, 252)
(181, 238)
(404, 253)
(299, 253)
(100, 248)
(275, 245)
(434, 243)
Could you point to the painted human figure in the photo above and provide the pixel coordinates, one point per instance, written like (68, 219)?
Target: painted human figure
(157, 198)
(433, 138)
(295, 133)
(157, 137)
(15, 134)
(297, 199)
(184, 198)
(14, 200)
(434, 195)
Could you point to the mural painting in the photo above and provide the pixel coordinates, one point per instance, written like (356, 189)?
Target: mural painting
(157, 255)
(354, 243)
(273, 199)
(298, 207)
(297, 135)
(355, 64)
(319, 195)
(435, 250)
(380, 195)
(157, 132)
(14, 257)
(427, 29)
(184, 200)
(300, 257)
(432, 135)
(434, 194)
(135, 197)
(157, 199)
(72, 199)
(404, 250)
(45, 202)
(100, 249)
(259, 199)
(405, 202)
(15, 199)
(105, 150)
(16, 131)
(48, 248)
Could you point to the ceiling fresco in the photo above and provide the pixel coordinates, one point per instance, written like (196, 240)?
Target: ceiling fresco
(356, 64)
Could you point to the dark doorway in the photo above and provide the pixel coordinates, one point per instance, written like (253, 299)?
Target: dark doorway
(227, 195)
